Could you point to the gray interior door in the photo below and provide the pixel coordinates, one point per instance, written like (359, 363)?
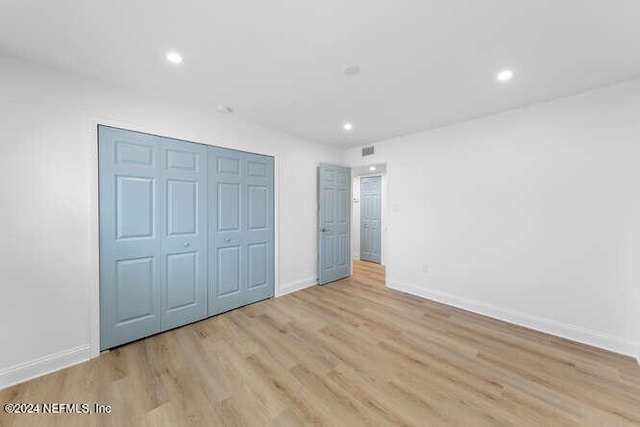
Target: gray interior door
(334, 221)
(370, 218)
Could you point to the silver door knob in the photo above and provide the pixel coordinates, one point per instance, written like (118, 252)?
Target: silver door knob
(187, 244)
(324, 230)
(227, 239)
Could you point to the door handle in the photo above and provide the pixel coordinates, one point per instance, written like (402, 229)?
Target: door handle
(226, 239)
(324, 230)
(187, 244)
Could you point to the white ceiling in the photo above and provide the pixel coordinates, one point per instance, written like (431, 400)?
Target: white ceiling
(424, 63)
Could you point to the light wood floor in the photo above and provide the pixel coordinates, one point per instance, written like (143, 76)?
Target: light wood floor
(346, 354)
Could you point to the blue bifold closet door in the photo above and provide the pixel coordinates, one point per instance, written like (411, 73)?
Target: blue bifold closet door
(241, 246)
(156, 221)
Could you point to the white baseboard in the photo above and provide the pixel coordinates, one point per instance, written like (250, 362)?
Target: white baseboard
(43, 365)
(564, 330)
(296, 286)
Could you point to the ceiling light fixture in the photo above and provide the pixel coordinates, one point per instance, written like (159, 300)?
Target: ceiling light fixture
(347, 126)
(504, 76)
(224, 109)
(372, 168)
(351, 70)
(174, 57)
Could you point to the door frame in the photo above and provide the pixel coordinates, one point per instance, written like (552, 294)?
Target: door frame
(91, 131)
(319, 198)
(381, 176)
(355, 208)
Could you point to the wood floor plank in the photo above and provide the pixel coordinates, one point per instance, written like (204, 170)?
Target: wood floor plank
(348, 353)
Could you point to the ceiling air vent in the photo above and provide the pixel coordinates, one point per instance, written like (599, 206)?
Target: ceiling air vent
(367, 151)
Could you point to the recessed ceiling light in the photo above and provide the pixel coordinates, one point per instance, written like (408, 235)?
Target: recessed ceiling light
(348, 126)
(372, 168)
(174, 57)
(224, 109)
(504, 75)
(351, 70)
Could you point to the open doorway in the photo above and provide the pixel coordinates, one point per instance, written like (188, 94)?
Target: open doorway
(368, 213)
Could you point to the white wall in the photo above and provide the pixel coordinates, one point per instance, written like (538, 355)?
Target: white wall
(48, 220)
(532, 216)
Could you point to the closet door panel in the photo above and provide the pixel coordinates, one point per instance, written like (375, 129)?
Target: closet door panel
(258, 182)
(130, 261)
(184, 230)
(241, 196)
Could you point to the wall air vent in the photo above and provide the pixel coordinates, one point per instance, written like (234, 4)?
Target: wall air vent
(367, 151)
